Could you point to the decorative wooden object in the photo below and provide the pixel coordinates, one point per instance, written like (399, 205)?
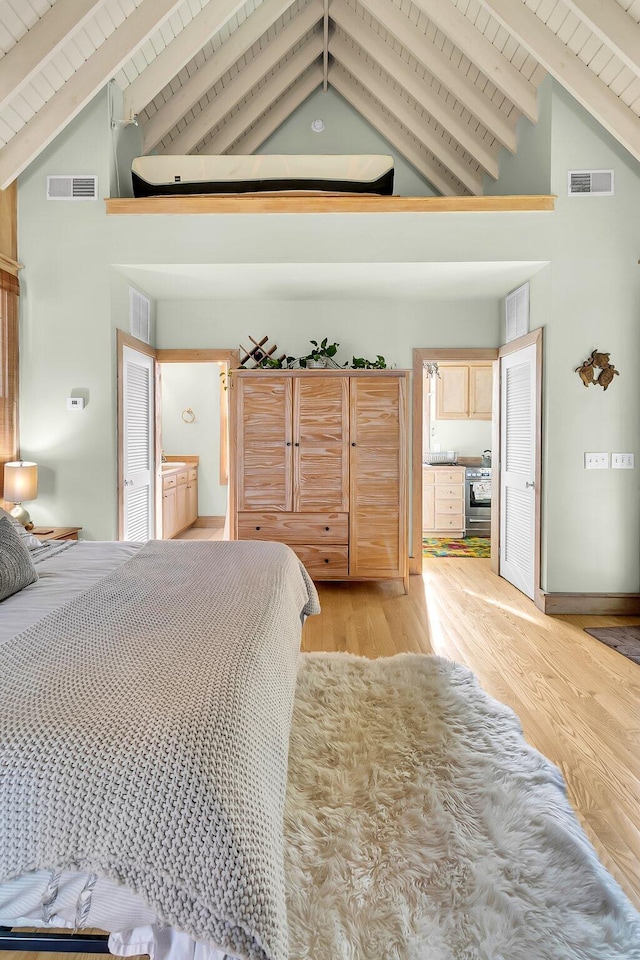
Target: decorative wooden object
(257, 355)
(597, 361)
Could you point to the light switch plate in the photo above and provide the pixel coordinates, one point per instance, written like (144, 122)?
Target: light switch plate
(596, 461)
(75, 403)
(622, 461)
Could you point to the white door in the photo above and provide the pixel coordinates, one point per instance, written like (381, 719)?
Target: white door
(138, 444)
(518, 418)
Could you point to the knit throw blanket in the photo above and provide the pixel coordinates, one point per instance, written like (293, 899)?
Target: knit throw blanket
(144, 734)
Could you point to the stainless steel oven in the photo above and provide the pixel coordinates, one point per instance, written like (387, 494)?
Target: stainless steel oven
(477, 501)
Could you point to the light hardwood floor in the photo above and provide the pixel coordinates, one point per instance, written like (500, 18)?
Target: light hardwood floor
(578, 700)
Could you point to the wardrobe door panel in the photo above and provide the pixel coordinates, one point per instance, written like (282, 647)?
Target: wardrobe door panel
(264, 443)
(321, 448)
(378, 478)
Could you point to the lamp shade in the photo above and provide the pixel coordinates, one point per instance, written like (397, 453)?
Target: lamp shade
(20, 481)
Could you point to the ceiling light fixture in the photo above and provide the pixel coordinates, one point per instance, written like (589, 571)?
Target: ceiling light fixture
(317, 125)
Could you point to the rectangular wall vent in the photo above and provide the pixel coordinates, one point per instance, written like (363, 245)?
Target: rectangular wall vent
(139, 315)
(72, 188)
(594, 182)
(517, 312)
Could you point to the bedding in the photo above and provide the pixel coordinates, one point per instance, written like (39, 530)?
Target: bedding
(164, 175)
(158, 703)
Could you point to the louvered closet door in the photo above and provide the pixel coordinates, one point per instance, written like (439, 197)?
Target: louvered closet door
(264, 413)
(138, 444)
(518, 463)
(377, 510)
(321, 444)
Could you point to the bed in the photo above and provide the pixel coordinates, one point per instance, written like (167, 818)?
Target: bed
(164, 175)
(194, 646)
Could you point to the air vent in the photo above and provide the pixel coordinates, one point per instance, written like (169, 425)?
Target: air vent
(597, 183)
(517, 312)
(139, 315)
(72, 188)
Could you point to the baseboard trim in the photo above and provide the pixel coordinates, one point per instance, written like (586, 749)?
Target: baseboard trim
(209, 522)
(592, 604)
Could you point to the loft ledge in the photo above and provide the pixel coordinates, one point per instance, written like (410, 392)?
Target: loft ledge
(327, 203)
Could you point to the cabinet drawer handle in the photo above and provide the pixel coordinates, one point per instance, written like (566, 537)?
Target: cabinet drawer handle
(327, 528)
(326, 560)
(257, 528)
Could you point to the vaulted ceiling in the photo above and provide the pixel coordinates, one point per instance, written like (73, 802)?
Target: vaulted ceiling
(444, 81)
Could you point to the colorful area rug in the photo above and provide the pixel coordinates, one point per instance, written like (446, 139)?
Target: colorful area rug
(626, 640)
(448, 547)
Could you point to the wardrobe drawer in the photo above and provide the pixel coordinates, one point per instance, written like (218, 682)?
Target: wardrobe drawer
(294, 527)
(183, 477)
(449, 521)
(323, 561)
(193, 473)
(169, 482)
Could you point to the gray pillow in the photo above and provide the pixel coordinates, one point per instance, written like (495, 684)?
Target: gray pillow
(16, 566)
(30, 542)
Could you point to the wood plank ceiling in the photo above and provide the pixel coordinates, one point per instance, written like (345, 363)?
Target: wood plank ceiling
(444, 81)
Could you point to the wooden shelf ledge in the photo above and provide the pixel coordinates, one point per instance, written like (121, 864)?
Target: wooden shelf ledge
(333, 203)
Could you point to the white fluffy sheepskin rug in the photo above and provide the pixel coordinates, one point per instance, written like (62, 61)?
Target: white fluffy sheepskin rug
(421, 826)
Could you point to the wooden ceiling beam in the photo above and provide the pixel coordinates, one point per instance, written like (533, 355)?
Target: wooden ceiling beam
(574, 75)
(281, 111)
(613, 25)
(406, 114)
(82, 86)
(430, 101)
(177, 55)
(258, 104)
(444, 70)
(353, 94)
(482, 53)
(41, 43)
(247, 78)
(206, 77)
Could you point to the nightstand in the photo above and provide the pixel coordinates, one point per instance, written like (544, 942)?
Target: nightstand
(55, 533)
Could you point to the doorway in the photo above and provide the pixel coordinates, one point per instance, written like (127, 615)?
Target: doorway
(216, 440)
(507, 525)
(452, 451)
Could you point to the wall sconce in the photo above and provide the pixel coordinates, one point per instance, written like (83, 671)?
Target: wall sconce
(20, 483)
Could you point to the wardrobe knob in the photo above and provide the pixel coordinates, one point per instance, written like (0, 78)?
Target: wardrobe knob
(327, 528)
(257, 528)
(288, 443)
(326, 560)
(353, 443)
(296, 444)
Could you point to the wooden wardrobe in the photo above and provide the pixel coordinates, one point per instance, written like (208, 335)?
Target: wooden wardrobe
(321, 464)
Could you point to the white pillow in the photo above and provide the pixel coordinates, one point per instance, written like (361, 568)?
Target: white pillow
(28, 539)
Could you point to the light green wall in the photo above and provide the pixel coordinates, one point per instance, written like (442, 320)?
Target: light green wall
(527, 171)
(195, 385)
(588, 297)
(346, 131)
(67, 333)
(361, 327)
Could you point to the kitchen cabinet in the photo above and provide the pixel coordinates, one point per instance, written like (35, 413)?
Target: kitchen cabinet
(179, 499)
(443, 513)
(464, 392)
(321, 464)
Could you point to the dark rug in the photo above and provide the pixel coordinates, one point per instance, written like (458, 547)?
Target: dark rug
(626, 640)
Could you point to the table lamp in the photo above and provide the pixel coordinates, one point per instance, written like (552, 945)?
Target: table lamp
(20, 483)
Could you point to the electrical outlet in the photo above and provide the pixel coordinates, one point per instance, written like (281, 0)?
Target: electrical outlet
(622, 461)
(596, 461)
